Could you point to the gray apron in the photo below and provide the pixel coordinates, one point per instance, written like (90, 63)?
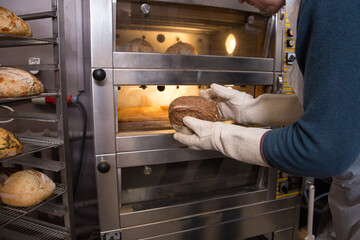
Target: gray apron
(344, 201)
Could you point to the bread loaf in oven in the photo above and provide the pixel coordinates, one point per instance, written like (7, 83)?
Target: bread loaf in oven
(11, 24)
(9, 144)
(182, 48)
(15, 82)
(26, 188)
(139, 45)
(193, 106)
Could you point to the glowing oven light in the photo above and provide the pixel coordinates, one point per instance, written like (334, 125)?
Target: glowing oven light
(230, 43)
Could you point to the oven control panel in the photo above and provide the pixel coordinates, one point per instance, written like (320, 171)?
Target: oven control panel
(289, 45)
(289, 54)
(288, 185)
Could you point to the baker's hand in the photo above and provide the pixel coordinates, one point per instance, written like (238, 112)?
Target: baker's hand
(231, 140)
(202, 137)
(229, 101)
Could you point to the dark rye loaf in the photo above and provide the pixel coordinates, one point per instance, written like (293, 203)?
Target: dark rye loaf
(192, 106)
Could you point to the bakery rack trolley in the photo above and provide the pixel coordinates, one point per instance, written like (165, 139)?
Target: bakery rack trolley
(15, 222)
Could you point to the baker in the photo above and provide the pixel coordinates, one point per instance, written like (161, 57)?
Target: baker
(322, 135)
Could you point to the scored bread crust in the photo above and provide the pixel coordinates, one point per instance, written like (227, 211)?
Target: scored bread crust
(182, 48)
(12, 24)
(9, 144)
(193, 106)
(26, 188)
(15, 82)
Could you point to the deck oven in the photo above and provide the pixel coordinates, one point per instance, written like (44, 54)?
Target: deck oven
(144, 54)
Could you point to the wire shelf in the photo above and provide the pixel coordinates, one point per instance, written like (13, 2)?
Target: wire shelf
(35, 67)
(9, 214)
(9, 40)
(14, 99)
(33, 144)
(39, 15)
(32, 229)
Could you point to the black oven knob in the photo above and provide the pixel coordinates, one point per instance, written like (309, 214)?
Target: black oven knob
(290, 32)
(103, 167)
(99, 74)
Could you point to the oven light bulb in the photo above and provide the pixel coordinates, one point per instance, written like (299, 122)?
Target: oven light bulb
(230, 43)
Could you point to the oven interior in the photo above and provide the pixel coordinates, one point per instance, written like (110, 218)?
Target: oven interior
(144, 109)
(210, 30)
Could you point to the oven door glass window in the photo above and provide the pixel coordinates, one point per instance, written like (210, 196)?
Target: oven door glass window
(159, 185)
(173, 28)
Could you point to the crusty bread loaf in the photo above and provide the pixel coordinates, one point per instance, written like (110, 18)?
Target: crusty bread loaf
(182, 48)
(139, 45)
(26, 188)
(9, 144)
(11, 24)
(15, 82)
(193, 106)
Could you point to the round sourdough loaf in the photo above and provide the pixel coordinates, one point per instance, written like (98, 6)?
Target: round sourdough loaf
(11, 24)
(182, 48)
(192, 106)
(15, 82)
(9, 144)
(26, 188)
(139, 45)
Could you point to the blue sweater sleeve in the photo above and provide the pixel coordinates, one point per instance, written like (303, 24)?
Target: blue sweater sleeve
(326, 139)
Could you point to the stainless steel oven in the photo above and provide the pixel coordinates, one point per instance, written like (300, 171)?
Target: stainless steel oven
(150, 186)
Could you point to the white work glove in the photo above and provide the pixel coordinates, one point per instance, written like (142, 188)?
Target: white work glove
(234, 141)
(266, 110)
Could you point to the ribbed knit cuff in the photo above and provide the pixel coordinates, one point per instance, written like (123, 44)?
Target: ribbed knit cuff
(262, 148)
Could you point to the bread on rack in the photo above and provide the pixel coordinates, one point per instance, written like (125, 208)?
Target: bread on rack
(193, 106)
(12, 24)
(9, 144)
(139, 45)
(26, 188)
(182, 48)
(15, 82)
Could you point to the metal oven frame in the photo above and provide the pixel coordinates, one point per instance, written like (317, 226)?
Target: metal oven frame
(229, 217)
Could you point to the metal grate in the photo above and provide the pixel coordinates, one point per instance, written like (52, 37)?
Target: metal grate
(34, 144)
(42, 163)
(40, 15)
(9, 214)
(35, 67)
(27, 228)
(14, 99)
(8, 40)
